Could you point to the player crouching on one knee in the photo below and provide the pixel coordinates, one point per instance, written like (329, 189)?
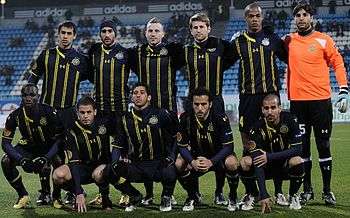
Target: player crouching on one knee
(88, 147)
(37, 148)
(205, 143)
(275, 147)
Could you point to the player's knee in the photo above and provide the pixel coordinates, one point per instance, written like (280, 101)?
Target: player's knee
(61, 175)
(98, 173)
(295, 161)
(246, 163)
(231, 163)
(323, 147)
(180, 164)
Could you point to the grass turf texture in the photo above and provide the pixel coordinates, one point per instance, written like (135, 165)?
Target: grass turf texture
(340, 143)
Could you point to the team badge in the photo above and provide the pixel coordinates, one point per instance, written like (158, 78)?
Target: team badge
(43, 121)
(102, 130)
(312, 48)
(211, 50)
(178, 137)
(22, 142)
(76, 61)
(210, 127)
(284, 129)
(119, 56)
(265, 42)
(153, 120)
(163, 51)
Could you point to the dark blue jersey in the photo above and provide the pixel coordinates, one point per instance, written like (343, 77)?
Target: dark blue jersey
(206, 138)
(278, 141)
(147, 134)
(257, 52)
(88, 144)
(39, 128)
(156, 67)
(62, 70)
(109, 71)
(206, 63)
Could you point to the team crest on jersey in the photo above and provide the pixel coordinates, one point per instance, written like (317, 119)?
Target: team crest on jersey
(153, 120)
(211, 127)
(102, 130)
(211, 50)
(178, 137)
(163, 51)
(76, 61)
(22, 142)
(312, 48)
(43, 121)
(265, 42)
(119, 56)
(284, 129)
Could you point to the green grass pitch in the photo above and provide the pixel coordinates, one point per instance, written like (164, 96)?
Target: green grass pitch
(340, 143)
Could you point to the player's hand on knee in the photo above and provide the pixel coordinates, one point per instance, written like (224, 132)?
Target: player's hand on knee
(266, 205)
(39, 164)
(80, 203)
(204, 164)
(260, 158)
(195, 164)
(343, 99)
(27, 165)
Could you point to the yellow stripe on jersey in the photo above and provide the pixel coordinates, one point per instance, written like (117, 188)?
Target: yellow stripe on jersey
(65, 85)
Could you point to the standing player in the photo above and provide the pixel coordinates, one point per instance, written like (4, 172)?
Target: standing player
(89, 151)
(309, 90)
(155, 64)
(256, 49)
(62, 69)
(206, 59)
(275, 147)
(205, 140)
(152, 155)
(109, 71)
(40, 130)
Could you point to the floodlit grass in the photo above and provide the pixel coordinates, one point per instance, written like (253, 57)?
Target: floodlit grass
(340, 186)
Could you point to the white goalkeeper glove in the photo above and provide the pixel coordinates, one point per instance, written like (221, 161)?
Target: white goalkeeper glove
(343, 99)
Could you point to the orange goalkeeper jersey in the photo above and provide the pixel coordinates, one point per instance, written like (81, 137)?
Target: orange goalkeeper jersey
(309, 59)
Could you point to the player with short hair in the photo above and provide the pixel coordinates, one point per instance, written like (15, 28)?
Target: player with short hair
(143, 133)
(155, 64)
(275, 145)
(309, 90)
(206, 59)
(205, 140)
(88, 150)
(109, 72)
(36, 150)
(257, 49)
(62, 69)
